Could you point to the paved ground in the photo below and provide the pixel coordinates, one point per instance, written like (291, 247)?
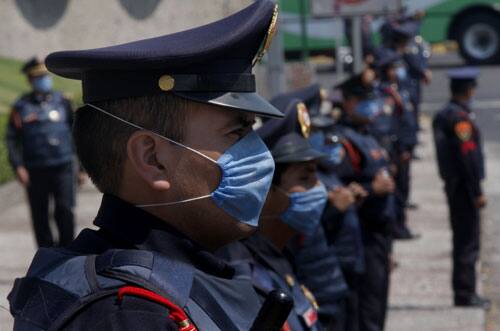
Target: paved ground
(420, 292)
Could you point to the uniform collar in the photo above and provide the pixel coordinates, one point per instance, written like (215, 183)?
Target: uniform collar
(265, 252)
(462, 105)
(127, 226)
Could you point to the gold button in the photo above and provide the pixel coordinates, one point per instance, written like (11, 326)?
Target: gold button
(166, 82)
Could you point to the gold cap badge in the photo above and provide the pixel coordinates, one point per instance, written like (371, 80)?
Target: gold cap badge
(268, 38)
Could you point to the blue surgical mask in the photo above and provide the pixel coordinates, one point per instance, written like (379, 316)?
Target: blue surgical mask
(42, 84)
(368, 108)
(247, 171)
(401, 73)
(305, 210)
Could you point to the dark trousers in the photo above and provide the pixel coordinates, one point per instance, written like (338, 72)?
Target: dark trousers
(465, 225)
(403, 178)
(374, 283)
(57, 183)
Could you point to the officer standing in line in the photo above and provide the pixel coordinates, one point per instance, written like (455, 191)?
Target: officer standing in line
(395, 130)
(41, 153)
(166, 134)
(294, 205)
(461, 166)
(340, 219)
(367, 163)
(316, 263)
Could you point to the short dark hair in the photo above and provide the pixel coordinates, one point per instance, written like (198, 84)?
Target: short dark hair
(101, 140)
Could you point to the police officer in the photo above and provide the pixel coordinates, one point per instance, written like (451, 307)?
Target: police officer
(166, 135)
(42, 155)
(340, 219)
(366, 162)
(316, 263)
(461, 166)
(395, 129)
(294, 205)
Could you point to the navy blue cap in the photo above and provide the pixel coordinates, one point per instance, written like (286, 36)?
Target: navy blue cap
(293, 147)
(399, 31)
(385, 56)
(296, 120)
(34, 67)
(354, 85)
(311, 96)
(322, 122)
(463, 73)
(211, 64)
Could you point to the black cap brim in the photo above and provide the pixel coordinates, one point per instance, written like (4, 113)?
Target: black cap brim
(309, 154)
(247, 102)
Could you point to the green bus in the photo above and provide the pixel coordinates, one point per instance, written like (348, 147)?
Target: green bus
(473, 24)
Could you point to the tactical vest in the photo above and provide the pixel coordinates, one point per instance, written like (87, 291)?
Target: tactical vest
(319, 269)
(46, 134)
(266, 278)
(374, 210)
(59, 284)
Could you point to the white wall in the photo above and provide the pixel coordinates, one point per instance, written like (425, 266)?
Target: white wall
(29, 27)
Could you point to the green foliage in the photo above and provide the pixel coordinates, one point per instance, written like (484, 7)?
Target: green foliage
(13, 84)
(5, 169)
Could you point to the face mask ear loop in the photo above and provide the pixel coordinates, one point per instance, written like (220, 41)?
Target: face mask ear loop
(155, 133)
(173, 203)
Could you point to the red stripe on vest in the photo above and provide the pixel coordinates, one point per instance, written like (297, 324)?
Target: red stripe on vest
(353, 155)
(177, 314)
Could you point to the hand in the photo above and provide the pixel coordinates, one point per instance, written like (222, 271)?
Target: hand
(82, 178)
(358, 191)
(383, 183)
(481, 201)
(22, 176)
(405, 156)
(341, 198)
(427, 77)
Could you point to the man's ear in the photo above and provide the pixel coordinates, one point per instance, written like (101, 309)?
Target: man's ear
(142, 149)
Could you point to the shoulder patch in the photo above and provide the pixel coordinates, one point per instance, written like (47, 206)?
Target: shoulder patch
(463, 130)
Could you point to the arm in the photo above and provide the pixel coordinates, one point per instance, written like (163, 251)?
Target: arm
(464, 142)
(13, 139)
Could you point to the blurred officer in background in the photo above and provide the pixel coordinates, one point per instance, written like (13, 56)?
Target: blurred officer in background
(461, 166)
(316, 263)
(340, 219)
(367, 163)
(395, 129)
(167, 137)
(41, 153)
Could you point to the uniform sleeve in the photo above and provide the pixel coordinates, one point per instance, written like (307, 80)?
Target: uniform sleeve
(131, 315)
(13, 139)
(466, 147)
(415, 64)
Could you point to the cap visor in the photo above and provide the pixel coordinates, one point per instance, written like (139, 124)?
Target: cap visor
(247, 102)
(302, 156)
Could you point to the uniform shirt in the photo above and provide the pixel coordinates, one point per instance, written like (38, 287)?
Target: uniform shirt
(125, 227)
(39, 131)
(459, 147)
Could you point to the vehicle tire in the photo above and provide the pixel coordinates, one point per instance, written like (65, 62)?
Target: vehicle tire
(478, 37)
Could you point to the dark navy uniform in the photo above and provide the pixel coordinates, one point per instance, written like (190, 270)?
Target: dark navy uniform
(396, 130)
(364, 160)
(39, 139)
(270, 269)
(461, 166)
(136, 272)
(342, 229)
(317, 264)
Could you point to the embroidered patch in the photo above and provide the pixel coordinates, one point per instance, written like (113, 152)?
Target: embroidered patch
(463, 130)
